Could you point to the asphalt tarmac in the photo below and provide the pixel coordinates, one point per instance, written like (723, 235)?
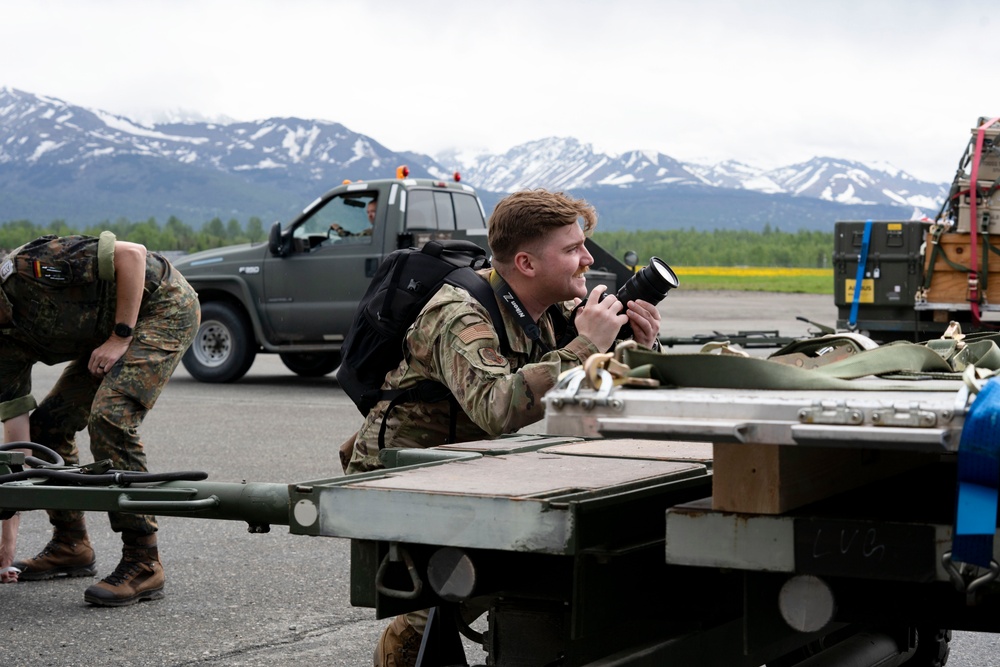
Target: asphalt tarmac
(239, 599)
(232, 598)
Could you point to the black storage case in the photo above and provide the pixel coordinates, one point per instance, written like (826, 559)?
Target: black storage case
(893, 270)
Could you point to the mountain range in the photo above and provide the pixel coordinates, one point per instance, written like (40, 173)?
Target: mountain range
(84, 166)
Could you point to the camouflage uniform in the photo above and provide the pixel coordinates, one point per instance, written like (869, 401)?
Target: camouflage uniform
(453, 341)
(62, 294)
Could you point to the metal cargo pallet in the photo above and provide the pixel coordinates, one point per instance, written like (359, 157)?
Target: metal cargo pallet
(523, 493)
(929, 420)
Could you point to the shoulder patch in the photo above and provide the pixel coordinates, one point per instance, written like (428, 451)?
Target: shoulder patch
(6, 269)
(478, 331)
(491, 357)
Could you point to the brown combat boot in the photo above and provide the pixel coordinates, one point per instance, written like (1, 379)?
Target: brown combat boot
(399, 645)
(68, 554)
(138, 577)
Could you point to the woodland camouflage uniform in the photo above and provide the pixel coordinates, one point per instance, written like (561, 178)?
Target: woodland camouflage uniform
(62, 296)
(453, 342)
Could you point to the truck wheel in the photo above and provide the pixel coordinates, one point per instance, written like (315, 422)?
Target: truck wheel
(224, 348)
(933, 647)
(311, 364)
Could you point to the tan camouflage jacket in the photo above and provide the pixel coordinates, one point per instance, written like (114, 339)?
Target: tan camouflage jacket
(453, 341)
(62, 291)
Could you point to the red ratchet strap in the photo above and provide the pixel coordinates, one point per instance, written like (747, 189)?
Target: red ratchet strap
(974, 221)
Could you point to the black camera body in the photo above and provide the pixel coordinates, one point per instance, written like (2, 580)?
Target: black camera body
(649, 284)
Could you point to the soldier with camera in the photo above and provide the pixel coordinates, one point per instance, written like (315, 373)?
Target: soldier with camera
(539, 266)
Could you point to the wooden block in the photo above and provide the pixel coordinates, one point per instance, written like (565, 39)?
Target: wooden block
(773, 479)
(949, 285)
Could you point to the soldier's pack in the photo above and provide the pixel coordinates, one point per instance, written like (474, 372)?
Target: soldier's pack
(402, 286)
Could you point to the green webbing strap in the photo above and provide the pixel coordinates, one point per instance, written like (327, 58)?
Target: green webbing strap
(899, 358)
(981, 354)
(937, 250)
(734, 372)
(936, 231)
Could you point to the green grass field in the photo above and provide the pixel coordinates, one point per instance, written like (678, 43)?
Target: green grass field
(757, 279)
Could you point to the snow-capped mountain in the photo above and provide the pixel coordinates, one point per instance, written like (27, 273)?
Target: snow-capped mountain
(58, 160)
(36, 131)
(566, 164)
(569, 164)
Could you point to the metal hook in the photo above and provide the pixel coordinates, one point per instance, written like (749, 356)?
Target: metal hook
(957, 576)
(397, 553)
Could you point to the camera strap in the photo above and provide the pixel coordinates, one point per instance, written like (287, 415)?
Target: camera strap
(520, 313)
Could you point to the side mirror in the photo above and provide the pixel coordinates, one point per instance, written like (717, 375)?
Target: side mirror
(631, 259)
(275, 243)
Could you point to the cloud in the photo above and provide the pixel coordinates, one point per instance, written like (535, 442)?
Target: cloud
(765, 82)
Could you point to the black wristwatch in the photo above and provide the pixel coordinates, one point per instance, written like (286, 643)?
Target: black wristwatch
(123, 330)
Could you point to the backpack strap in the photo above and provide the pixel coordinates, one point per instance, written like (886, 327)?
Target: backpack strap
(431, 391)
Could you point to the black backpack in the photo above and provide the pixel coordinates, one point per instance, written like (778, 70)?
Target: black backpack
(401, 287)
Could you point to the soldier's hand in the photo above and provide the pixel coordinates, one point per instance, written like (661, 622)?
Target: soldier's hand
(104, 357)
(645, 320)
(600, 320)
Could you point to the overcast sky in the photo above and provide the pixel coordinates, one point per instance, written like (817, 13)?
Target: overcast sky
(765, 82)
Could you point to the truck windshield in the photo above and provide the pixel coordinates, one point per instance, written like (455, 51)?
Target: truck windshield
(342, 217)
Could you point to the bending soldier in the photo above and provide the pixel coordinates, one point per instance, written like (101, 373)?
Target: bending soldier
(122, 317)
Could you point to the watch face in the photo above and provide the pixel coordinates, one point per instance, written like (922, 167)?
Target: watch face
(123, 330)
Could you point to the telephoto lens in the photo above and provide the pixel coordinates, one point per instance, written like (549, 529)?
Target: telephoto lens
(650, 284)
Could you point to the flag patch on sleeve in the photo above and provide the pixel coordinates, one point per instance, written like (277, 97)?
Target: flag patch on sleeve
(476, 332)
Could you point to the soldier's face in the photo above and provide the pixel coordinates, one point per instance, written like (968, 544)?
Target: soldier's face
(563, 263)
(371, 213)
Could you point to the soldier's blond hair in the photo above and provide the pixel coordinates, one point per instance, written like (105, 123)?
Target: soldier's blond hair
(525, 217)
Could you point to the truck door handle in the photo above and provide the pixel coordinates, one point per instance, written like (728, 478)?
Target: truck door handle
(371, 266)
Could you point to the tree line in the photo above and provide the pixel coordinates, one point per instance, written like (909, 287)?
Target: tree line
(724, 247)
(690, 247)
(173, 235)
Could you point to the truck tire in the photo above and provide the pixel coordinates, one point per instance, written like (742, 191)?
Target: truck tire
(224, 348)
(311, 364)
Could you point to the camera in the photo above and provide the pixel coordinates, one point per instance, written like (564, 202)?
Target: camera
(650, 284)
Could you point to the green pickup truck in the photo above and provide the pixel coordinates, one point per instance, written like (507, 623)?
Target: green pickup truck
(296, 294)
